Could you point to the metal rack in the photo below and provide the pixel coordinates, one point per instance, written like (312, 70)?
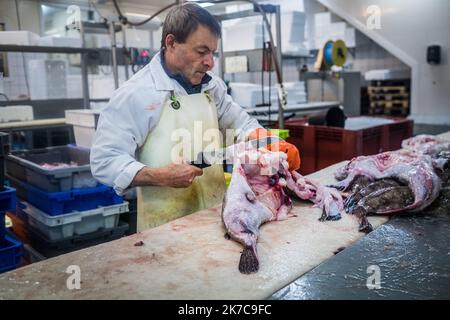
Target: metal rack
(110, 28)
(347, 85)
(247, 14)
(88, 55)
(256, 55)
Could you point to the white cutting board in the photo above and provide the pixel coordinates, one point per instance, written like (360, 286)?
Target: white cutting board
(189, 258)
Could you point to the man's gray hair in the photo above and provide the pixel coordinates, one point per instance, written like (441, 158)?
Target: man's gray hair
(184, 19)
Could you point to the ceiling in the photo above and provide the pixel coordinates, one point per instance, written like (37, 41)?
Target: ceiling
(158, 4)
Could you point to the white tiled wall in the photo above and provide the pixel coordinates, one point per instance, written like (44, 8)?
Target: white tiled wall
(406, 29)
(15, 85)
(368, 55)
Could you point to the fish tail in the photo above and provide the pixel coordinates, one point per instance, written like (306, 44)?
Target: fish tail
(249, 261)
(364, 224)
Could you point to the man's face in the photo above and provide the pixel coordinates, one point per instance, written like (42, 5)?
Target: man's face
(195, 56)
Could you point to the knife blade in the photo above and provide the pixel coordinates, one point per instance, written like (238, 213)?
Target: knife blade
(218, 156)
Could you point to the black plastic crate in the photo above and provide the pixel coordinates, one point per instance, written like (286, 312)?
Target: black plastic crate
(130, 217)
(49, 248)
(4, 150)
(25, 165)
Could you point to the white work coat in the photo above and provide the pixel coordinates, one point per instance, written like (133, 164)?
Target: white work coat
(135, 108)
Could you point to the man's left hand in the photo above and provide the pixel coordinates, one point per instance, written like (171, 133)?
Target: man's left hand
(293, 155)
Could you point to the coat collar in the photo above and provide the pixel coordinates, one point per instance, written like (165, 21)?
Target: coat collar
(163, 82)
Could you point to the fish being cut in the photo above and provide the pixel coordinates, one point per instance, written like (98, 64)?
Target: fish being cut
(257, 194)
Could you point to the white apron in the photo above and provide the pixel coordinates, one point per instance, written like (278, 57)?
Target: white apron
(196, 115)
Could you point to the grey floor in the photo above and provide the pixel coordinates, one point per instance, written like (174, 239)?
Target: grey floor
(430, 129)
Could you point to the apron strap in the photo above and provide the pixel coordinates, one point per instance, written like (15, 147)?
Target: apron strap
(175, 103)
(208, 96)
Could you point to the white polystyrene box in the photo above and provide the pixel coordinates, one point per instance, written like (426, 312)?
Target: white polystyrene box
(74, 87)
(82, 117)
(387, 74)
(84, 136)
(247, 95)
(84, 122)
(135, 38)
(16, 113)
(24, 38)
(325, 18)
(293, 27)
(337, 30)
(52, 41)
(350, 37)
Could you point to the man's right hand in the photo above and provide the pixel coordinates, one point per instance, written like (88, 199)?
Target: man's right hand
(173, 175)
(180, 175)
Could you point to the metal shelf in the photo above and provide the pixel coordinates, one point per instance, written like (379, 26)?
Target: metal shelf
(295, 56)
(45, 49)
(88, 55)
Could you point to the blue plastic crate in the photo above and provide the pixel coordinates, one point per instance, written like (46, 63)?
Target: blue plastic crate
(8, 199)
(57, 203)
(19, 212)
(10, 253)
(7, 203)
(2, 228)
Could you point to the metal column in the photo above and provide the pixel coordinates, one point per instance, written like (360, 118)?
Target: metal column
(112, 33)
(124, 45)
(279, 57)
(84, 70)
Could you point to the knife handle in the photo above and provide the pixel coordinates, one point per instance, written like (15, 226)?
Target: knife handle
(200, 162)
(199, 165)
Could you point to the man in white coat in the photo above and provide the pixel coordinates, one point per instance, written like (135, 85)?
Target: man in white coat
(174, 96)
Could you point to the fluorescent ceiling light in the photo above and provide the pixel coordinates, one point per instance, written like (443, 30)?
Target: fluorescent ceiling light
(137, 14)
(204, 5)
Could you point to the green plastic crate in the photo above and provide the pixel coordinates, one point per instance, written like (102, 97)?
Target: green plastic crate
(282, 133)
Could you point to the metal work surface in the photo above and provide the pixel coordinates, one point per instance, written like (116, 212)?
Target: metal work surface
(189, 258)
(412, 253)
(33, 123)
(300, 107)
(48, 108)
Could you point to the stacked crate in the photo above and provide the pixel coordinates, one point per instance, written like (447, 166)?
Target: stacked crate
(389, 98)
(322, 146)
(64, 208)
(10, 247)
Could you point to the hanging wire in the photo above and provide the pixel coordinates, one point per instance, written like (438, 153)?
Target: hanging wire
(256, 5)
(263, 60)
(98, 11)
(19, 25)
(277, 66)
(125, 20)
(270, 76)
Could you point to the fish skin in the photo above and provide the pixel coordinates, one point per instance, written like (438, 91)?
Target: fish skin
(360, 192)
(382, 201)
(420, 170)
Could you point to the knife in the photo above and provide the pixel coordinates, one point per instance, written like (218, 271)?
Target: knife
(218, 156)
